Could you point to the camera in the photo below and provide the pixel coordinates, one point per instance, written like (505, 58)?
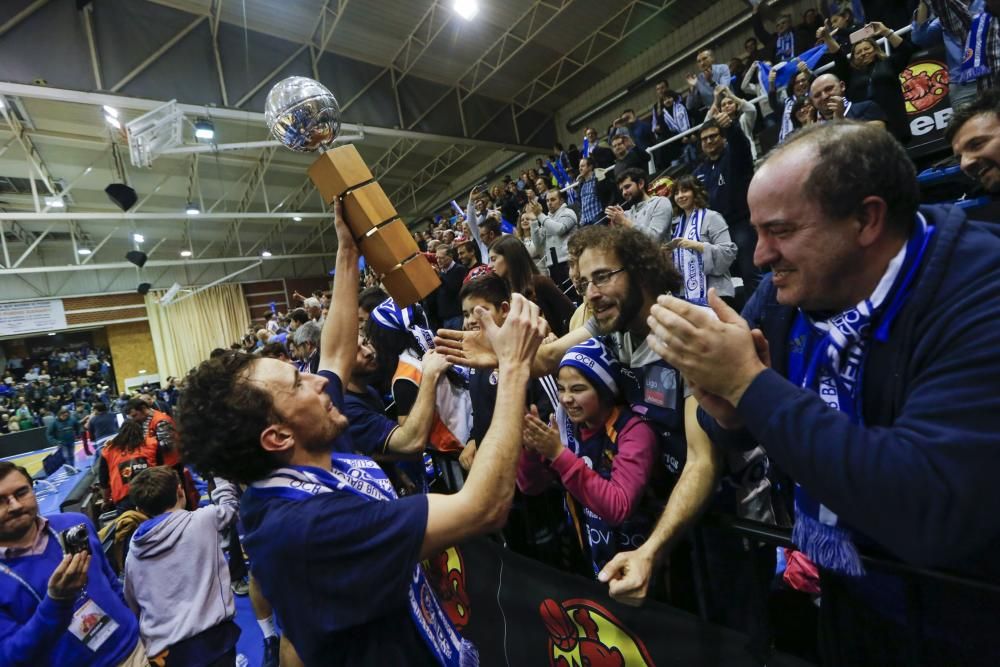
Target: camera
(75, 539)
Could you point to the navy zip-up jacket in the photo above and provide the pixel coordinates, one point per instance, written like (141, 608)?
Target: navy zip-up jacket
(728, 178)
(919, 476)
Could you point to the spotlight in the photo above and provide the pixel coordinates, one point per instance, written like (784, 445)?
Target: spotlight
(55, 202)
(192, 209)
(467, 9)
(138, 238)
(143, 288)
(266, 253)
(83, 251)
(297, 218)
(185, 253)
(136, 257)
(52, 333)
(204, 130)
(121, 195)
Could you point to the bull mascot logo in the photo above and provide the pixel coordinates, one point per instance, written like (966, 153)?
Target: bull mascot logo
(446, 574)
(925, 85)
(582, 633)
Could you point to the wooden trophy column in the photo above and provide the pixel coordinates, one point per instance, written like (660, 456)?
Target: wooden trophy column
(382, 237)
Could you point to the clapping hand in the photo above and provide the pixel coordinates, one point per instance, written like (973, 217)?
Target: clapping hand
(540, 437)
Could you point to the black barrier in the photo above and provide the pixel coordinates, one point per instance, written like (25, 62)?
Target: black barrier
(932, 599)
(23, 442)
(521, 613)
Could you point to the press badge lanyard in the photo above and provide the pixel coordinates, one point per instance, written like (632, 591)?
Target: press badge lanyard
(18, 578)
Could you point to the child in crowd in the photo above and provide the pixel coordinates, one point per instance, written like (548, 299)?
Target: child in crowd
(176, 578)
(602, 453)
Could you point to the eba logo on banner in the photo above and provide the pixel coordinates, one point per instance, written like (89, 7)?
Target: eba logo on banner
(582, 632)
(446, 574)
(925, 85)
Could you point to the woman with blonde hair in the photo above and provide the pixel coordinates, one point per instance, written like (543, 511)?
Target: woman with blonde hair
(523, 234)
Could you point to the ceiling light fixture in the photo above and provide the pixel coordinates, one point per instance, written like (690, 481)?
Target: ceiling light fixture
(192, 209)
(204, 130)
(55, 201)
(83, 251)
(297, 218)
(185, 253)
(266, 253)
(467, 9)
(138, 238)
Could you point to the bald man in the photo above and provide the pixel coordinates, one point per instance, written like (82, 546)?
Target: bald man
(827, 94)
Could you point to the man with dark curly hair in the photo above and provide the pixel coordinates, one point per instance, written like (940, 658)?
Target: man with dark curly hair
(333, 548)
(621, 272)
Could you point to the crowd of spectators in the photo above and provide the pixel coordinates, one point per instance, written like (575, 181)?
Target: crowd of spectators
(583, 384)
(36, 389)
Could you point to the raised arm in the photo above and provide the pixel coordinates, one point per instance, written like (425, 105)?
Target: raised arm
(411, 437)
(484, 501)
(339, 343)
(474, 349)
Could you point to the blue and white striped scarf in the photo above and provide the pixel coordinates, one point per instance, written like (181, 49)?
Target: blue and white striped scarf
(691, 263)
(835, 370)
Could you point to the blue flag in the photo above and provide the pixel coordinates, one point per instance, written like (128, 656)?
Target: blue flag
(787, 70)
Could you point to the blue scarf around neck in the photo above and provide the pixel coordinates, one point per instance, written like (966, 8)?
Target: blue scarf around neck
(829, 357)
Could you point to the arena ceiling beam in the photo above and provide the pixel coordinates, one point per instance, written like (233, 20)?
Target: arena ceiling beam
(253, 118)
(153, 263)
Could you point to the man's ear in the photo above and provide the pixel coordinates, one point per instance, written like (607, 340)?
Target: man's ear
(277, 438)
(505, 308)
(873, 218)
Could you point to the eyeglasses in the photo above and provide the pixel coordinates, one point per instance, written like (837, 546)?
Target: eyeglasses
(599, 280)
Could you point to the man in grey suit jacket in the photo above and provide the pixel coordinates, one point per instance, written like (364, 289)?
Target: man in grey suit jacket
(551, 231)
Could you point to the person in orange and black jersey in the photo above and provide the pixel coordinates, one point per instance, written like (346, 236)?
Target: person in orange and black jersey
(159, 428)
(122, 458)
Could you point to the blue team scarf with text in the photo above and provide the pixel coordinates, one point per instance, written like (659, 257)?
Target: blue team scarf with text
(691, 263)
(828, 357)
(362, 476)
(974, 63)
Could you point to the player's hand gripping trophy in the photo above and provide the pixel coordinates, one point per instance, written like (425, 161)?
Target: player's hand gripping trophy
(304, 116)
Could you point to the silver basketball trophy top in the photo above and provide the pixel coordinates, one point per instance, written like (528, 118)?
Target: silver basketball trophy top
(302, 114)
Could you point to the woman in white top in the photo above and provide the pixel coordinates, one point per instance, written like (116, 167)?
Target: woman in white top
(741, 111)
(703, 250)
(523, 233)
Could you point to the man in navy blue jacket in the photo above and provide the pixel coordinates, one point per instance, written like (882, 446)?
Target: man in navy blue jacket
(334, 549)
(726, 173)
(877, 395)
